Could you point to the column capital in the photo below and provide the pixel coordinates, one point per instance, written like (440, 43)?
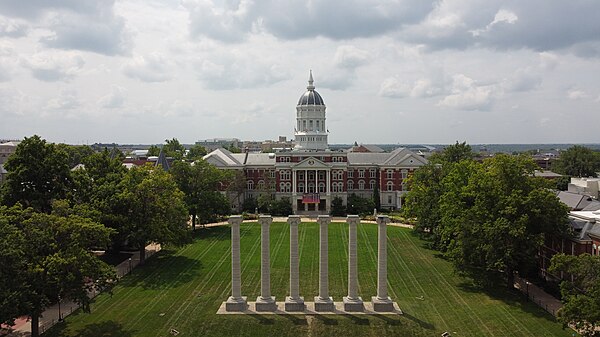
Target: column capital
(294, 220)
(383, 219)
(353, 219)
(235, 220)
(265, 219)
(324, 219)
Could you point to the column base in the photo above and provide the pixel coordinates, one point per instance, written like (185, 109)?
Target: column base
(294, 304)
(324, 304)
(236, 304)
(265, 304)
(382, 304)
(353, 304)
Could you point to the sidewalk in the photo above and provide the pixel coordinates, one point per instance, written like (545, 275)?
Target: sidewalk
(538, 296)
(53, 313)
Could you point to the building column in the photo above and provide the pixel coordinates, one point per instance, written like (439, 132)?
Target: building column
(306, 188)
(294, 302)
(235, 302)
(323, 302)
(328, 190)
(294, 193)
(265, 302)
(382, 302)
(352, 302)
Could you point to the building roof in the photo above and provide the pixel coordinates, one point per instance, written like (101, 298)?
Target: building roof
(576, 202)
(2, 169)
(594, 205)
(366, 148)
(311, 96)
(546, 174)
(591, 226)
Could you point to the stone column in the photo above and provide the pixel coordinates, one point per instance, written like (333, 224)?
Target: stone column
(235, 302)
(352, 302)
(328, 191)
(382, 302)
(323, 302)
(294, 193)
(294, 302)
(265, 302)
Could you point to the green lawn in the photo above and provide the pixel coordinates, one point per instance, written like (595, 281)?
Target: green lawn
(182, 289)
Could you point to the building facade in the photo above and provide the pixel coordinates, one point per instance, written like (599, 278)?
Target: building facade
(311, 175)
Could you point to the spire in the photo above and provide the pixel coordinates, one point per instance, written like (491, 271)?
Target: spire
(310, 82)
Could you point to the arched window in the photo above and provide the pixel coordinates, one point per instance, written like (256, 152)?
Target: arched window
(288, 187)
(390, 186)
(361, 184)
(372, 185)
(311, 188)
(321, 187)
(261, 185)
(250, 185)
(404, 187)
(282, 187)
(318, 126)
(350, 185)
(303, 125)
(310, 125)
(404, 173)
(390, 174)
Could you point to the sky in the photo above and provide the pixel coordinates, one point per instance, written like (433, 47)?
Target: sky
(389, 71)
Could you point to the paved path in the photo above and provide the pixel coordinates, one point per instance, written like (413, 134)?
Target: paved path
(50, 316)
(538, 295)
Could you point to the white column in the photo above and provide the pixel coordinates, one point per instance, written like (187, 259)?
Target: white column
(323, 302)
(265, 302)
(352, 302)
(294, 302)
(235, 302)
(382, 301)
(328, 190)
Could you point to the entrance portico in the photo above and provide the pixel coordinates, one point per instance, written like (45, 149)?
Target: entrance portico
(311, 186)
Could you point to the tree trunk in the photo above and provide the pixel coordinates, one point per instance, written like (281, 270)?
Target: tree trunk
(35, 324)
(142, 254)
(194, 221)
(510, 278)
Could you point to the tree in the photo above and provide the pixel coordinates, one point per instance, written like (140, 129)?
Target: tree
(153, 151)
(454, 153)
(376, 197)
(196, 152)
(581, 296)
(76, 153)
(337, 207)
(359, 205)
(495, 216)
(154, 207)
(233, 149)
(578, 161)
(52, 259)
(281, 207)
(237, 186)
(174, 149)
(201, 182)
(38, 172)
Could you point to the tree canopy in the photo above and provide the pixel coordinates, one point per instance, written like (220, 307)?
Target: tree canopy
(578, 161)
(581, 296)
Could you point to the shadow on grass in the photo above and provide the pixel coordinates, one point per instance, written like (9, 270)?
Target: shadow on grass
(216, 232)
(358, 320)
(388, 319)
(169, 270)
(263, 319)
(421, 323)
(296, 320)
(326, 320)
(512, 297)
(102, 329)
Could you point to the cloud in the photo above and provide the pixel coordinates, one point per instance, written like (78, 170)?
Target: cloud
(114, 99)
(150, 68)
(63, 105)
(12, 102)
(523, 80)
(52, 67)
(423, 87)
(502, 17)
(12, 28)
(350, 57)
(548, 60)
(234, 71)
(576, 94)
(391, 87)
(230, 23)
(468, 95)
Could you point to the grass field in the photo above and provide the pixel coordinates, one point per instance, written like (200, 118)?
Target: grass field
(182, 289)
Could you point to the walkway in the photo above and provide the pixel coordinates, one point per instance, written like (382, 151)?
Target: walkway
(22, 328)
(538, 296)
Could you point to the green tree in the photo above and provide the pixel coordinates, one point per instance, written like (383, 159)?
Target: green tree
(53, 259)
(497, 214)
(376, 197)
(76, 153)
(233, 149)
(359, 205)
(38, 172)
(153, 151)
(578, 161)
(454, 153)
(196, 152)
(154, 207)
(201, 183)
(281, 207)
(174, 149)
(337, 207)
(581, 296)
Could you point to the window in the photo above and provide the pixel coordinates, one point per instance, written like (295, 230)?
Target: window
(281, 187)
(301, 176)
(350, 173)
(372, 185)
(390, 186)
(300, 188)
(404, 174)
(311, 188)
(361, 184)
(284, 175)
(303, 125)
(261, 185)
(310, 125)
(272, 173)
(361, 173)
(334, 159)
(350, 185)
(321, 187)
(318, 128)
(337, 175)
(311, 175)
(372, 173)
(390, 174)
(284, 159)
(321, 175)
(250, 185)
(404, 187)
(272, 185)
(389, 199)
(285, 187)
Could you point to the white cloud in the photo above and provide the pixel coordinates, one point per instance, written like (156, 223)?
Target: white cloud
(54, 66)
(114, 99)
(230, 23)
(503, 16)
(153, 67)
(421, 88)
(63, 105)
(467, 95)
(391, 87)
(548, 60)
(350, 57)
(576, 94)
(12, 27)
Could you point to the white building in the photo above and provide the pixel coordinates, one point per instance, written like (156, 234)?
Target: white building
(311, 174)
(585, 186)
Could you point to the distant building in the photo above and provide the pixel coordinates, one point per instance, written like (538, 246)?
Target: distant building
(311, 175)
(216, 143)
(585, 186)
(6, 149)
(366, 148)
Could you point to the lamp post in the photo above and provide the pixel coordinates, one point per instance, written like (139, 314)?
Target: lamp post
(59, 313)
(130, 265)
(527, 283)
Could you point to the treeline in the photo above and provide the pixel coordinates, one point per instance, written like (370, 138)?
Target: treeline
(52, 217)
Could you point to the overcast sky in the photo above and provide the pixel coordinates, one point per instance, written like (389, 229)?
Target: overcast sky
(403, 71)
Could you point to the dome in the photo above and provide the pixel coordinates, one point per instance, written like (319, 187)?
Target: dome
(311, 97)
